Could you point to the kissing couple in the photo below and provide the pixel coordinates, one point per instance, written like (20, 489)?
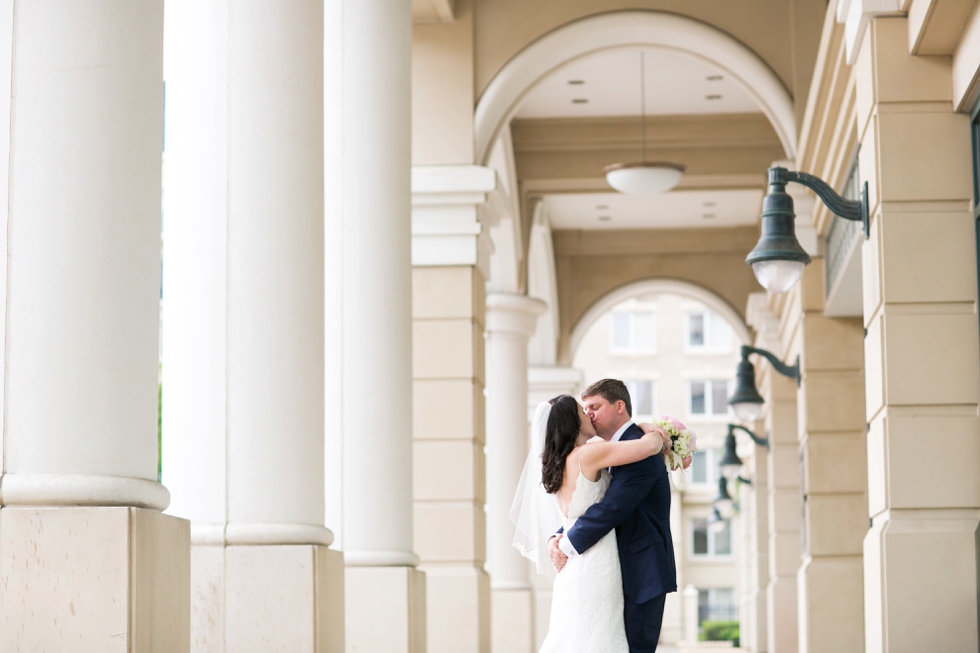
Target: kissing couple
(593, 513)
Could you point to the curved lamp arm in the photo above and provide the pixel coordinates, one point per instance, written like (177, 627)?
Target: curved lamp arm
(743, 480)
(854, 210)
(762, 442)
(791, 371)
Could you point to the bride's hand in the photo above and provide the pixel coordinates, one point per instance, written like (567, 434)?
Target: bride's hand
(647, 427)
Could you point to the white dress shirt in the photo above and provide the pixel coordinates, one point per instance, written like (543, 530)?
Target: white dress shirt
(564, 543)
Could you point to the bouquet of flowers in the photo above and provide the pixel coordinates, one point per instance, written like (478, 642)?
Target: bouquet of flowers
(683, 441)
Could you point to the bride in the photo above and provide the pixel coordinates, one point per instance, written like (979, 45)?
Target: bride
(565, 474)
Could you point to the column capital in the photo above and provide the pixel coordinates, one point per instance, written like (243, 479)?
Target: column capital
(510, 313)
(446, 224)
(543, 383)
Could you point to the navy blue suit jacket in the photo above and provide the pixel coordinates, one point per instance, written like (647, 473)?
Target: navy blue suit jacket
(637, 505)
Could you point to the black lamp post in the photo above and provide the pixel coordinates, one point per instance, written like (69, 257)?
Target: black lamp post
(730, 464)
(778, 259)
(746, 400)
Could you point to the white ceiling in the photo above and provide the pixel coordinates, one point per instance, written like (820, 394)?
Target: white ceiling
(676, 83)
(675, 210)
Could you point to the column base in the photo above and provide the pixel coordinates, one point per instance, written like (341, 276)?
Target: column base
(457, 607)
(920, 582)
(273, 597)
(782, 621)
(385, 609)
(94, 579)
(512, 621)
(541, 590)
(831, 604)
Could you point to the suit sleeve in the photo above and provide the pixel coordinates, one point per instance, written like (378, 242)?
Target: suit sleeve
(630, 484)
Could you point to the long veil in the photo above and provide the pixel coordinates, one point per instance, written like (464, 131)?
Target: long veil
(534, 511)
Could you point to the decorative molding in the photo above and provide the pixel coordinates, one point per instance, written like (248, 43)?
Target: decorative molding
(73, 490)
(259, 534)
(446, 225)
(857, 16)
(544, 383)
(380, 559)
(515, 314)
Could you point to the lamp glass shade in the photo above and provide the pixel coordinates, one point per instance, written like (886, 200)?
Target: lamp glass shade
(646, 178)
(725, 508)
(747, 411)
(730, 470)
(715, 523)
(778, 276)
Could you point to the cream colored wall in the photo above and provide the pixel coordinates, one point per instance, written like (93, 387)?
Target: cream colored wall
(670, 368)
(590, 264)
(442, 90)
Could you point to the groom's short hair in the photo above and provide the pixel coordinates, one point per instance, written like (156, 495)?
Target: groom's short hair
(612, 390)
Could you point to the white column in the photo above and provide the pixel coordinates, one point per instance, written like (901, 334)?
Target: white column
(376, 328)
(544, 383)
(81, 225)
(691, 616)
(243, 322)
(510, 324)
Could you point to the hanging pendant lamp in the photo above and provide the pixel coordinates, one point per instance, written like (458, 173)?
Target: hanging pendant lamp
(643, 177)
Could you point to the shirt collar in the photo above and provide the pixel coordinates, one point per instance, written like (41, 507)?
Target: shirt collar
(622, 429)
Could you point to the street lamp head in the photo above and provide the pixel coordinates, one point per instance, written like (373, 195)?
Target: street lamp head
(746, 400)
(778, 258)
(730, 464)
(715, 523)
(723, 501)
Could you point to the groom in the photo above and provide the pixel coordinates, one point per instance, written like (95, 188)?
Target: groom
(637, 505)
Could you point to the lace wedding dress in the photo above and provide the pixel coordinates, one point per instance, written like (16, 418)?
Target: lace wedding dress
(587, 601)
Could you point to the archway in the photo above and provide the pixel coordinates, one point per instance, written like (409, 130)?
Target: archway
(503, 96)
(656, 286)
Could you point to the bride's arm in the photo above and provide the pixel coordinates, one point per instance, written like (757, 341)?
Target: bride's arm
(597, 455)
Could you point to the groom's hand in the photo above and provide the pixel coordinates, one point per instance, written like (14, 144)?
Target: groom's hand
(558, 559)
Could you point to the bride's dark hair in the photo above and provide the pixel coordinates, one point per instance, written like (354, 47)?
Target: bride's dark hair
(560, 435)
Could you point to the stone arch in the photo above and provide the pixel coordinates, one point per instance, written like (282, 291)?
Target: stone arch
(503, 96)
(647, 286)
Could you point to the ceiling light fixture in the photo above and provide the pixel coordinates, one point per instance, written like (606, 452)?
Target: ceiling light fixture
(643, 177)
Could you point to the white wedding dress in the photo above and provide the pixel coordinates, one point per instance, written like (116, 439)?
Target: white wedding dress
(587, 602)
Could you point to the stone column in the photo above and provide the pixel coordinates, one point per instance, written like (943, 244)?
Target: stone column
(755, 519)
(376, 329)
(243, 323)
(87, 561)
(544, 383)
(834, 471)
(783, 472)
(510, 324)
(921, 351)
(450, 253)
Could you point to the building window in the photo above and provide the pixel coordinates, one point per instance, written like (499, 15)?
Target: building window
(716, 604)
(642, 396)
(704, 467)
(707, 332)
(633, 333)
(711, 542)
(708, 398)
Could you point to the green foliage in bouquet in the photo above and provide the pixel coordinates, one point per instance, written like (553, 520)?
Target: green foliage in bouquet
(719, 631)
